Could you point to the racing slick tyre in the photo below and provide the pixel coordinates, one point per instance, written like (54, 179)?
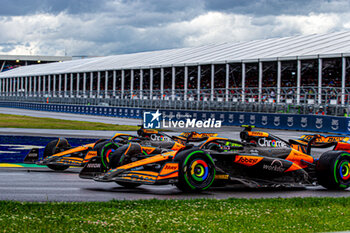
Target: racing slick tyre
(55, 147)
(104, 150)
(127, 184)
(333, 170)
(196, 170)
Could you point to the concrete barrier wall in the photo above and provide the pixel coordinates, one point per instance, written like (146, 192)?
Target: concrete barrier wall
(316, 123)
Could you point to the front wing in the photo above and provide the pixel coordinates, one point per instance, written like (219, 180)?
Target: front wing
(157, 169)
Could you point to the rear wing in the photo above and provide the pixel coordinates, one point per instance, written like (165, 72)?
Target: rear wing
(195, 135)
(322, 138)
(305, 146)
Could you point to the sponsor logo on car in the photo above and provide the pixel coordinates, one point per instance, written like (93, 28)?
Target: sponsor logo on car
(93, 165)
(257, 134)
(322, 138)
(32, 155)
(276, 166)
(90, 154)
(221, 177)
(248, 160)
(334, 139)
(271, 143)
(169, 168)
(155, 137)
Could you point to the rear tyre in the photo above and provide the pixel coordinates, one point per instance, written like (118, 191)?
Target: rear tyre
(104, 150)
(128, 184)
(333, 170)
(55, 147)
(196, 170)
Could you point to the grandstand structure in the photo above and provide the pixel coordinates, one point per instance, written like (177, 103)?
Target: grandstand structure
(299, 73)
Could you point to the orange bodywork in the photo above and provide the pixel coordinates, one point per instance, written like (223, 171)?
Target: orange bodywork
(344, 146)
(196, 135)
(90, 155)
(248, 160)
(294, 167)
(177, 146)
(169, 168)
(172, 175)
(121, 134)
(150, 131)
(257, 134)
(299, 157)
(148, 150)
(153, 159)
(75, 149)
(323, 139)
(298, 147)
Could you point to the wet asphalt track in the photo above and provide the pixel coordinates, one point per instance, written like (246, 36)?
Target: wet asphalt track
(43, 184)
(37, 184)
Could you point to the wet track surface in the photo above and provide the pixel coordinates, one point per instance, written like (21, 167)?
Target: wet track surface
(41, 184)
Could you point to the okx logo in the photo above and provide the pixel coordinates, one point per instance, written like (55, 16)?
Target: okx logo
(151, 120)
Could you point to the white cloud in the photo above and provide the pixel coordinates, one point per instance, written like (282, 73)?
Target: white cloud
(312, 23)
(217, 27)
(104, 33)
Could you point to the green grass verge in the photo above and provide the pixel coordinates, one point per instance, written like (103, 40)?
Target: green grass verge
(15, 121)
(203, 215)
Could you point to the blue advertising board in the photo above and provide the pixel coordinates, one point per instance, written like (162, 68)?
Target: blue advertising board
(316, 123)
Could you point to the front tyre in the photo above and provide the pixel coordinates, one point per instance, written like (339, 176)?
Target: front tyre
(196, 170)
(54, 147)
(333, 170)
(104, 150)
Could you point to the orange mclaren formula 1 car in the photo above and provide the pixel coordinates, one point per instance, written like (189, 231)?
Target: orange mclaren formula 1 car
(304, 144)
(224, 161)
(336, 142)
(59, 155)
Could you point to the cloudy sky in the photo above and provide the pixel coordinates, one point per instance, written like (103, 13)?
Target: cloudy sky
(106, 27)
